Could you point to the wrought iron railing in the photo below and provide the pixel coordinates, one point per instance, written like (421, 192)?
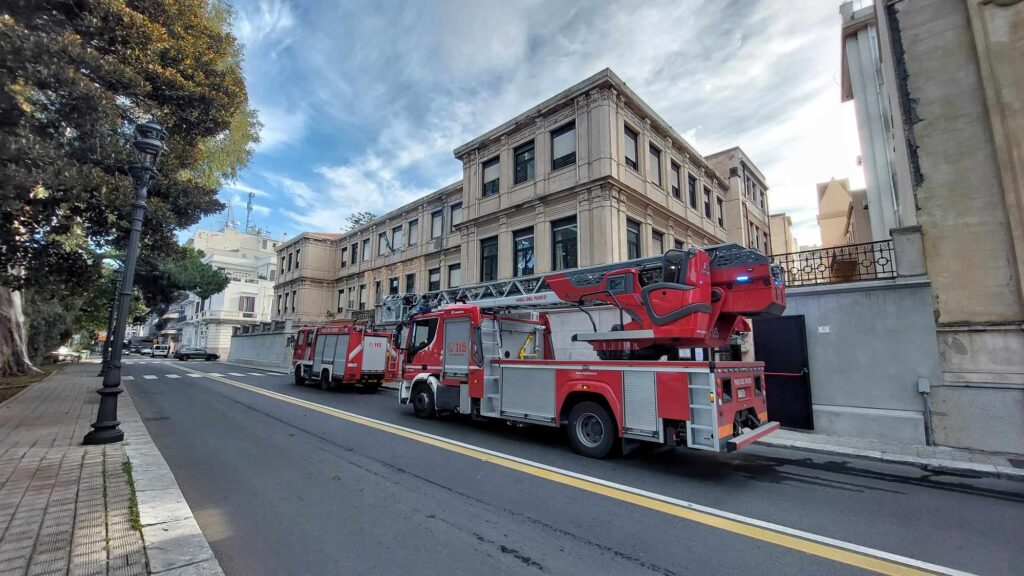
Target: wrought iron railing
(849, 263)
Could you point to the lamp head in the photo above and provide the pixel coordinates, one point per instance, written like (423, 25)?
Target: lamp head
(149, 141)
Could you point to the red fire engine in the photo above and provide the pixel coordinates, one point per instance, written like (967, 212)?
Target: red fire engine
(343, 354)
(487, 351)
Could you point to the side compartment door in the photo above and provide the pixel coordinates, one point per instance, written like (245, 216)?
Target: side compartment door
(375, 354)
(341, 356)
(318, 351)
(325, 355)
(640, 405)
(456, 349)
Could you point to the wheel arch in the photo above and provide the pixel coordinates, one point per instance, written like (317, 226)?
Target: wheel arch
(575, 397)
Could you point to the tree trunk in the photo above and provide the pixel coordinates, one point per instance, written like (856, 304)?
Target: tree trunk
(13, 352)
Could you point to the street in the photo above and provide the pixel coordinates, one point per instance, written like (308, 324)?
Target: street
(282, 487)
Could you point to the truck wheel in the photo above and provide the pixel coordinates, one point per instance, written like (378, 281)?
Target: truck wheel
(591, 430)
(299, 379)
(325, 380)
(423, 401)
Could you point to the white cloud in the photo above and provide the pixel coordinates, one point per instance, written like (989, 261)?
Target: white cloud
(243, 187)
(758, 74)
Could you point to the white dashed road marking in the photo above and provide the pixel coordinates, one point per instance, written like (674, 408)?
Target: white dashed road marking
(195, 375)
(235, 374)
(149, 377)
(255, 374)
(127, 377)
(213, 374)
(173, 376)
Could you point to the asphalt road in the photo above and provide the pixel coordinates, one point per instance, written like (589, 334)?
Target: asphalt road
(280, 488)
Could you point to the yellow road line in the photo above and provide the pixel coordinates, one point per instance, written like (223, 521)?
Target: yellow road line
(846, 553)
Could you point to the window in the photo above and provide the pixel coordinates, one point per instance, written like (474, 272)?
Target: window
(522, 248)
(489, 259)
(295, 296)
(456, 214)
(420, 336)
(675, 181)
(376, 291)
(707, 202)
(366, 250)
(410, 282)
(632, 239)
(435, 224)
(393, 286)
(247, 304)
(721, 212)
(279, 312)
(434, 279)
(382, 244)
(761, 193)
(297, 250)
(767, 243)
(355, 252)
(564, 250)
(414, 232)
(341, 300)
(344, 255)
(677, 244)
(454, 275)
(282, 264)
(362, 296)
(658, 241)
(563, 146)
(289, 261)
(492, 176)
(352, 297)
(654, 169)
(631, 149)
(691, 187)
(396, 237)
(524, 163)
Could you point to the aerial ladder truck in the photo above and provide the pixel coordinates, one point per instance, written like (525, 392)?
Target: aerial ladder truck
(486, 350)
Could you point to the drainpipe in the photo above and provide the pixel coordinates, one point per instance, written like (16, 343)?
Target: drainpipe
(924, 386)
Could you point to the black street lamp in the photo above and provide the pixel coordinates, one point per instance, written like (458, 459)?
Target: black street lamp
(110, 321)
(149, 141)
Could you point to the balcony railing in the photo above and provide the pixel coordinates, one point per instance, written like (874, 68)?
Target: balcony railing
(849, 263)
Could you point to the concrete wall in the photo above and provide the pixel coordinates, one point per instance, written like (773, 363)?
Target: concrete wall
(269, 350)
(868, 343)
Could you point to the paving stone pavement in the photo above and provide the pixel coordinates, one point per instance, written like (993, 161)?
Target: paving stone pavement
(940, 458)
(65, 508)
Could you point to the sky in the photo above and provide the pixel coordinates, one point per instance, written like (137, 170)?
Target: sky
(362, 106)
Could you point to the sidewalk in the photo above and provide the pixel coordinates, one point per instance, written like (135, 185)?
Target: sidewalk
(927, 457)
(66, 508)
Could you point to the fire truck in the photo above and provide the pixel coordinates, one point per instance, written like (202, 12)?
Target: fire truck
(487, 351)
(343, 354)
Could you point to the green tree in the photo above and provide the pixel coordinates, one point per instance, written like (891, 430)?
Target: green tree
(358, 219)
(75, 77)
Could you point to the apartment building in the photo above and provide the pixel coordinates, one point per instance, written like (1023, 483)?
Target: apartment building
(843, 214)
(743, 211)
(590, 176)
(248, 261)
(782, 239)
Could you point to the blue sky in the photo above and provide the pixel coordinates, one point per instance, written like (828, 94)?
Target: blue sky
(363, 106)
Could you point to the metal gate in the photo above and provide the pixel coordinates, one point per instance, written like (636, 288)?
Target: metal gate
(781, 343)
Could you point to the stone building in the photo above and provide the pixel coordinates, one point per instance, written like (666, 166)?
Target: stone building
(938, 87)
(590, 176)
(782, 239)
(843, 214)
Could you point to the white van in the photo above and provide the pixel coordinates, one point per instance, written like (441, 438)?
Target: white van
(161, 350)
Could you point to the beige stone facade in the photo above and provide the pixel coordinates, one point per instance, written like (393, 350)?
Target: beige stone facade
(951, 74)
(842, 214)
(782, 239)
(589, 176)
(744, 213)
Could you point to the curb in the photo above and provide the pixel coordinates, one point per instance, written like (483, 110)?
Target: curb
(931, 464)
(174, 543)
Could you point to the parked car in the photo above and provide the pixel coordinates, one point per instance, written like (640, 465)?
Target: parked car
(187, 353)
(65, 354)
(146, 351)
(161, 350)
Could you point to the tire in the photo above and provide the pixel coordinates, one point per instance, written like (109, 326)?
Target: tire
(300, 380)
(592, 431)
(325, 381)
(183, 359)
(423, 401)
(208, 358)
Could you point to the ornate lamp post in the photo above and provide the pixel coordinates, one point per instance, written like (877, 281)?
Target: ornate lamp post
(149, 141)
(110, 321)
